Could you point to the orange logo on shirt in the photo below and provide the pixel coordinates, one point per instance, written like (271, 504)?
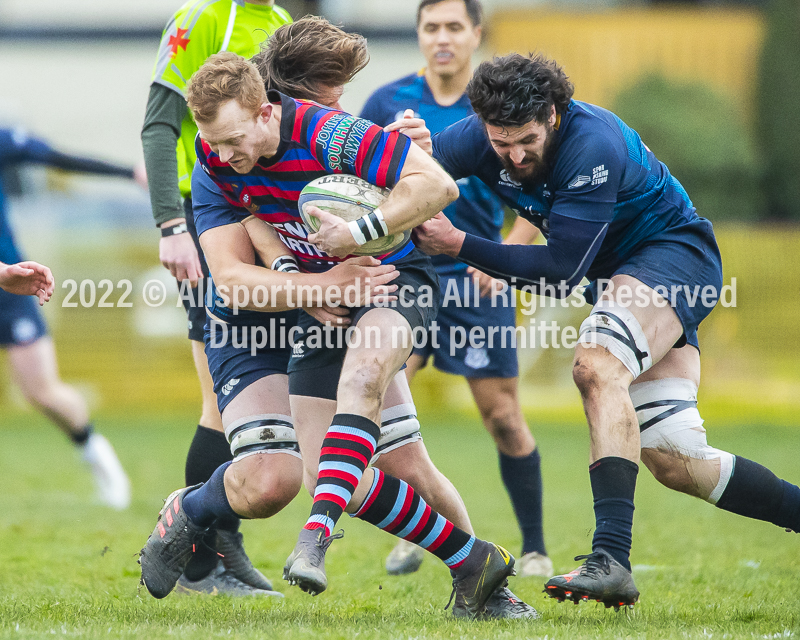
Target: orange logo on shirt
(178, 41)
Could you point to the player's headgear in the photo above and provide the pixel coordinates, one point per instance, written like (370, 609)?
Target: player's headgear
(267, 432)
(669, 422)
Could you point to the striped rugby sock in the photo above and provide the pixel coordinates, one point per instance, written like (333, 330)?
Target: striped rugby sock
(346, 451)
(392, 505)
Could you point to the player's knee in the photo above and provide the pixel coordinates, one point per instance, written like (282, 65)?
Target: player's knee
(272, 496)
(595, 371)
(673, 440)
(505, 423)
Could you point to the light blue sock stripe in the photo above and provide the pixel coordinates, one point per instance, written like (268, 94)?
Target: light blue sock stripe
(352, 431)
(335, 489)
(398, 506)
(375, 477)
(323, 520)
(435, 532)
(344, 467)
(461, 555)
(414, 521)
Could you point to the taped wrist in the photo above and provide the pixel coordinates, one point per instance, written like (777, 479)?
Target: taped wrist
(286, 264)
(368, 227)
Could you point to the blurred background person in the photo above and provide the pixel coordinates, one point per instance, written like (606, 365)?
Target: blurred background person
(23, 332)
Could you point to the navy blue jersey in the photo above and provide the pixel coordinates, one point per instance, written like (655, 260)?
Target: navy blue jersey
(18, 147)
(477, 211)
(605, 191)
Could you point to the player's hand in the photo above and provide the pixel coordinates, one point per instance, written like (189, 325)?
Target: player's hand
(333, 237)
(179, 255)
(27, 279)
(361, 281)
(487, 286)
(438, 236)
(415, 129)
(336, 316)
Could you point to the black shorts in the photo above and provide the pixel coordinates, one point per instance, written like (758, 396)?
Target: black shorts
(318, 351)
(194, 304)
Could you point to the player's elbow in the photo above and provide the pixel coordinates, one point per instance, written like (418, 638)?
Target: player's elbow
(450, 189)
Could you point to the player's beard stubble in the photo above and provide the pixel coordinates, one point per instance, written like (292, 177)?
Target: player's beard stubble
(537, 172)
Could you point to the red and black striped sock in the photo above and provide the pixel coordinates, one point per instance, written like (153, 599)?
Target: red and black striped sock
(346, 451)
(392, 505)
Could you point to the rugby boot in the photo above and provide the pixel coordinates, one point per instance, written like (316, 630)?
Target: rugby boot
(599, 578)
(534, 563)
(221, 582)
(305, 566)
(406, 557)
(504, 605)
(489, 567)
(230, 546)
(113, 486)
(169, 548)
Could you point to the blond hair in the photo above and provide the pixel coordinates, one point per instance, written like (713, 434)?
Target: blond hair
(302, 58)
(223, 77)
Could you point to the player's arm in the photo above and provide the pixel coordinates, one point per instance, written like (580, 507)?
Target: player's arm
(27, 279)
(420, 189)
(522, 232)
(162, 126)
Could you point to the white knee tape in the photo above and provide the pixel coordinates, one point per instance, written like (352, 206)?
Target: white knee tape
(615, 328)
(261, 433)
(399, 426)
(669, 420)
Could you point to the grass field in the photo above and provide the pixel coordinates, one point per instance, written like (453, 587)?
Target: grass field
(68, 568)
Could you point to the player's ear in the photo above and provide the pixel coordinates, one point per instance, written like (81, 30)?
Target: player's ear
(552, 115)
(478, 31)
(265, 111)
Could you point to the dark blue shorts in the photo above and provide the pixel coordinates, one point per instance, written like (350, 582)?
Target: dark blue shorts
(458, 314)
(21, 321)
(679, 263)
(232, 363)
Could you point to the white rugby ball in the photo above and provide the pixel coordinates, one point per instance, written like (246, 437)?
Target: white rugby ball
(348, 197)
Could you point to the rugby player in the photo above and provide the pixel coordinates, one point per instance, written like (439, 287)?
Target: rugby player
(23, 332)
(611, 211)
(197, 30)
(27, 279)
(269, 139)
(449, 33)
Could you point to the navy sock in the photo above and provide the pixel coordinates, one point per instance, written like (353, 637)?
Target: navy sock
(755, 492)
(613, 486)
(209, 502)
(79, 438)
(523, 480)
(209, 449)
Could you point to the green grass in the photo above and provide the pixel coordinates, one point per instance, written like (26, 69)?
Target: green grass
(68, 568)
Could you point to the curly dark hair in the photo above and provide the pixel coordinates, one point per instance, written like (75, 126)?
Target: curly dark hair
(513, 90)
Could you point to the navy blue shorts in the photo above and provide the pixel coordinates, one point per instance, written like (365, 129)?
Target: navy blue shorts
(449, 342)
(21, 321)
(233, 364)
(679, 263)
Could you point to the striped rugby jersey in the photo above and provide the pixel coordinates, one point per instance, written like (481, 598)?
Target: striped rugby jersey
(315, 141)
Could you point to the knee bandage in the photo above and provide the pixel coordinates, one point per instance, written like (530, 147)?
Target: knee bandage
(669, 421)
(399, 426)
(615, 328)
(262, 433)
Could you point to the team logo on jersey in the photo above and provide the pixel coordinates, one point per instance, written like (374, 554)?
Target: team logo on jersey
(23, 330)
(178, 42)
(226, 390)
(297, 350)
(206, 169)
(579, 182)
(476, 358)
(340, 138)
(599, 175)
(245, 199)
(507, 180)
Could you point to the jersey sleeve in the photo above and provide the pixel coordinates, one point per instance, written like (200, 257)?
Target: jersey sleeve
(587, 176)
(187, 41)
(346, 144)
(211, 208)
(461, 147)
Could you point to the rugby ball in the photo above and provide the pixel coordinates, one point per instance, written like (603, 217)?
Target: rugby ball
(348, 197)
